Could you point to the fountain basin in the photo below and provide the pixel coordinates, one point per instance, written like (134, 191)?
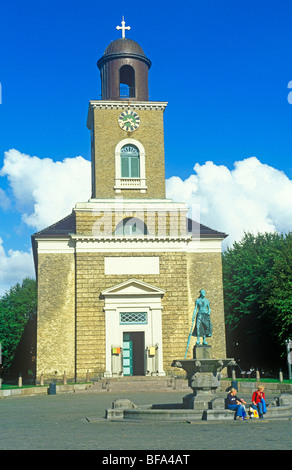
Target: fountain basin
(193, 366)
(204, 375)
(177, 413)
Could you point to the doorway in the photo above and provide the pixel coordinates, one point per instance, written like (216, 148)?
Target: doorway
(133, 353)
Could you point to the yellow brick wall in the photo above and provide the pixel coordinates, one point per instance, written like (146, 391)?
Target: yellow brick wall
(56, 316)
(205, 272)
(107, 134)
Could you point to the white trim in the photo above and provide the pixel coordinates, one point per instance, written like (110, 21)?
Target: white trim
(124, 204)
(55, 245)
(129, 244)
(130, 183)
(108, 104)
(137, 287)
(133, 296)
(121, 265)
(98, 244)
(205, 245)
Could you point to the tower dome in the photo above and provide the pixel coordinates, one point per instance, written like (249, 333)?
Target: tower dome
(124, 71)
(124, 46)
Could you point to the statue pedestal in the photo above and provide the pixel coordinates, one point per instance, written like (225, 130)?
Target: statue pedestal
(202, 351)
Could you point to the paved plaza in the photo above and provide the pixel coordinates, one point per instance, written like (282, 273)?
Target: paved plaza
(58, 422)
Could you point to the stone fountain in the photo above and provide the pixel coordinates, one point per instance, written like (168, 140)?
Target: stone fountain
(203, 375)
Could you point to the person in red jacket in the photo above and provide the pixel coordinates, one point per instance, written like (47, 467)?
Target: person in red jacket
(259, 401)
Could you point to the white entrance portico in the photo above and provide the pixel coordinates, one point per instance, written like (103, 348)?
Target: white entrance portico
(133, 329)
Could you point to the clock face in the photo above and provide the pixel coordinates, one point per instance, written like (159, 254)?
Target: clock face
(129, 120)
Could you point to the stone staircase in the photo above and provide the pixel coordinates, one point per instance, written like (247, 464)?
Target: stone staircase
(138, 383)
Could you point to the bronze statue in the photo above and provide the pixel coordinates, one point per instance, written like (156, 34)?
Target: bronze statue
(203, 327)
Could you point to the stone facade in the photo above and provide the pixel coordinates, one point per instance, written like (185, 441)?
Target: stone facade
(150, 134)
(56, 315)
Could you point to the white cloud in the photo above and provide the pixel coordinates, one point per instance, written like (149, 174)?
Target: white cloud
(251, 197)
(4, 200)
(14, 267)
(46, 191)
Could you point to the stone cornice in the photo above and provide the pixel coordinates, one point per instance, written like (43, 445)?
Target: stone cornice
(130, 239)
(134, 205)
(116, 244)
(108, 104)
(137, 105)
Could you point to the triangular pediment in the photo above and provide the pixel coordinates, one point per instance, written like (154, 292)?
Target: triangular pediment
(133, 287)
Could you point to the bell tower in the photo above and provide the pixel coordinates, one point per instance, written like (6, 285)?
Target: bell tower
(127, 138)
(124, 71)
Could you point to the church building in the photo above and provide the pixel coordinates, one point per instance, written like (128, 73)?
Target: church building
(118, 277)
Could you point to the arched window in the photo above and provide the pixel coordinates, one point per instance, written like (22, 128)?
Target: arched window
(131, 226)
(130, 166)
(127, 82)
(130, 162)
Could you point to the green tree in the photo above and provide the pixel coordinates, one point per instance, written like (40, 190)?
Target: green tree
(254, 295)
(278, 292)
(18, 306)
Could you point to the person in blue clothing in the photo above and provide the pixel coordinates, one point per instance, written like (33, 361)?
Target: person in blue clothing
(236, 404)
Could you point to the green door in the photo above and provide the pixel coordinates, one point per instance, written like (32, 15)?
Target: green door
(127, 354)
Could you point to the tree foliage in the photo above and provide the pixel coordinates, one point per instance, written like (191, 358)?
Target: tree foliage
(17, 307)
(257, 273)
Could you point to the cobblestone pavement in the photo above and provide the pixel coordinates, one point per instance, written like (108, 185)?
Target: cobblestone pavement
(57, 422)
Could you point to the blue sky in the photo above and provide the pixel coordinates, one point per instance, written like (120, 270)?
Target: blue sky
(224, 69)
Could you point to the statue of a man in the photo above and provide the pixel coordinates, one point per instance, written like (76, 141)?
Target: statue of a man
(203, 327)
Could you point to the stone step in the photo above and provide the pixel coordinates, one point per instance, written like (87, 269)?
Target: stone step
(138, 383)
